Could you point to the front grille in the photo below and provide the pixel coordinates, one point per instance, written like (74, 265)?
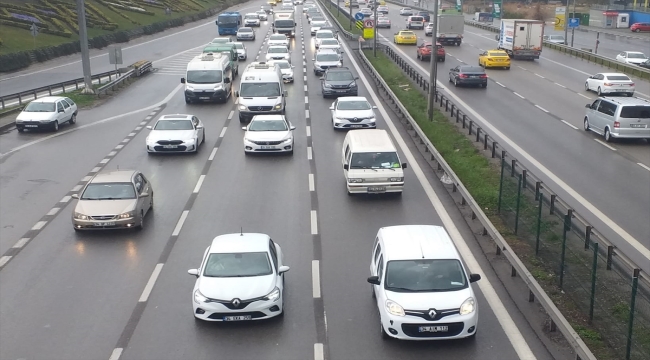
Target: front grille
(180, 148)
(413, 330)
(253, 314)
(103, 217)
(425, 313)
(340, 86)
(228, 303)
(277, 57)
(267, 142)
(31, 123)
(260, 108)
(170, 142)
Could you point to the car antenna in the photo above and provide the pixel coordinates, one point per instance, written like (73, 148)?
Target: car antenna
(241, 231)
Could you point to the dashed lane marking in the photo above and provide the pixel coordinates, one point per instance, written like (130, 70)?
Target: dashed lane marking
(53, 211)
(4, 260)
(223, 132)
(198, 184)
(20, 243)
(644, 166)
(309, 153)
(605, 145)
(39, 225)
(319, 353)
(560, 85)
(232, 113)
(519, 95)
(500, 84)
(314, 222)
(569, 124)
(115, 355)
(308, 131)
(212, 154)
(179, 224)
(152, 281)
(315, 278)
(541, 108)
(312, 185)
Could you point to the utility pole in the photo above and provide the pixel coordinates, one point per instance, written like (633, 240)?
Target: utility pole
(573, 30)
(433, 72)
(566, 21)
(374, 46)
(83, 41)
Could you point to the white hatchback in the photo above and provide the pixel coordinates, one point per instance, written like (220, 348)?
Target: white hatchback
(268, 133)
(47, 113)
(421, 286)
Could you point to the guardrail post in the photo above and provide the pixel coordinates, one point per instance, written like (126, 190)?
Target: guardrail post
(49, 89)
(20, 99)
(464, 119)
(592, 298)
(485, 141)
(524, 173)
(503, 166)
(538, 187)
(518, 204)
(453, 107)
(531, 296)
(76, 84)
(630, 325)
(588, 236)
(552, 327)
(447, 105)
(3, 102)
(610, 254)
(513, 271)
(35, 94)
(539, 222)
(513, 163)
(478, 134)
(553, 196)
(494, 149)
(471, 124)
(565, 229)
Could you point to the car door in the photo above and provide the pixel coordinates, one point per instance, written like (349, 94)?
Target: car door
(67, 110)
(141, 187)
(379, 272)
(60, 112)
(481, 58)
(453, 72)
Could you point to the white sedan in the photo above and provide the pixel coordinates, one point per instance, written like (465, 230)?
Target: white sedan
(278, 53)
(279, 40)
(241, 278)
(286, 69)
(268, 133)
(262, 14)
(330, 44)
(47, 113)
(175, 133)
(406, 11)
(610, 83)
(353, 112)
(631, 57)
(251, 19)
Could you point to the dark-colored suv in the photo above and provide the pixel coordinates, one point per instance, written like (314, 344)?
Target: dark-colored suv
(339, 81)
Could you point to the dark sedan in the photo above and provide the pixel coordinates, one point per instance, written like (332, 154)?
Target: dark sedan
(339, 81)
(645, 64)
(468, 75)
(425, 15)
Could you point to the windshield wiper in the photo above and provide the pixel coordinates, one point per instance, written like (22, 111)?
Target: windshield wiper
(394, 288)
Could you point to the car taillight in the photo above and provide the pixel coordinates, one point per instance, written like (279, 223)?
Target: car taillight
(632, 84)
(489, 59)
(484, 76)
(462, 76)
(608, 84)
(617, 124)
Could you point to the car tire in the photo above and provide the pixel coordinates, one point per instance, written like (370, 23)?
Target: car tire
(188, 100)
(73, 119)
(455, 82)
(242, 120)
(507, 67)
(586, 124)
(443, 59)
(637, 30)
(599, 92)
(151, 202)
(484, 86)
(203, 138)
(607, 135)
(55, 126)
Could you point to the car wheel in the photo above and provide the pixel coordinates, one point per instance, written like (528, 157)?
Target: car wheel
(242, 120)
(586, 124)
(507, 67)
(455, 82)
(73, 119)
(637, 30)
(443, 59)
(450, 79)
(608, 135)
(484, 86)
(203, 139)
(55, 127)
(20, 129)
(151, 202)
(599, 92)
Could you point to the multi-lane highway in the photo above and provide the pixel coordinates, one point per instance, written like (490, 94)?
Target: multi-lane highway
(126, 295)
(536, 110)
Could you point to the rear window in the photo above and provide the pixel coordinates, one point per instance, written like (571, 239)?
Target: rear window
(416, 18)
(618, 77)
(471, 69)
(635, 111)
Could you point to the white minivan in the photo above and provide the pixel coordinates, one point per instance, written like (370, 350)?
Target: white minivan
(371, 164)
(261, 91)
(208, 78)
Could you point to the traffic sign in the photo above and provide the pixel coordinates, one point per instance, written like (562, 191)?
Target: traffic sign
(359, 24)
(574, 22)
(368, 33)
(359, 16)
(33, 29)
(368, 24)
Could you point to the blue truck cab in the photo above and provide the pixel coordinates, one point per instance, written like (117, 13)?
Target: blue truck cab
(228, 22)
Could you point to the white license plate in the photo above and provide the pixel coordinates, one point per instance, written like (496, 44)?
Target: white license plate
(170, 146)
(112, 223)
(434, 328)
(266, 147)
(31, 125)
(204, 98)
(638, 126)
(237, 318)
(341, 91)
(376, 188)
(356, 126)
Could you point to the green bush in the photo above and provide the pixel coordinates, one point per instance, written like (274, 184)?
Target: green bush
(15, 61)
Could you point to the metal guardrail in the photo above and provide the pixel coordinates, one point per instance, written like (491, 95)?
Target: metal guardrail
(136, 71)
(18, 99)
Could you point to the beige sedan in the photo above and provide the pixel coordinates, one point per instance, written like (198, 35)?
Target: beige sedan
(113, 200)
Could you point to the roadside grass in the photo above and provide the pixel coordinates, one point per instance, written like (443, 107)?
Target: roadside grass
(342, 19)
(482, 180)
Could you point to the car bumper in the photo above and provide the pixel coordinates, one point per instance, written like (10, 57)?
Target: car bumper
(241, 56)
(375, 188)
(428, 33)
(472, 81)
(347, 124)
(35, 125)
(219, 95)
(248, 115)
(408, 327)
(610, 90)
(104, 224)
(250, 147)
(257, 23)
(287, 78)
(631, 133)
(497, 64)
(258, 310)
(383, 25)
(407, 41)
(181, 148)
(245, 37)
(340, 92)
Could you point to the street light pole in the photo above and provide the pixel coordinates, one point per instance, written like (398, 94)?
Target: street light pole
(433, 72)
(566, 21)
(83, 41)
(374, 46)
(573, 29)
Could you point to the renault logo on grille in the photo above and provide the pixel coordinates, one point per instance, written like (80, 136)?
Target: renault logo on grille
(432, 313)
(355, 119)
(236, 302)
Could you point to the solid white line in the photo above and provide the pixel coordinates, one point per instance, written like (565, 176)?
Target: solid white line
(86, 178)
(517, 341)
(308, 128)
(39, 225)
(212, 154)
(541, 108)
(571, 125)
(312, 185)
(560, 85)
(605, 145)
(179, 224)
(95, 169)
(198, 184)
(152, 281)
(306, 114)
(66, 199)
(20, 243)
(314, 222)
(644, 166)
(115, 355)
(4, 260)
(223, 132)
(232, 112)
(319, 353)
(53, 211)
(104, 161)
(309, 154)
(77, 188)
(500, 84)
(584, 96)
(518, 95)
(315, 278)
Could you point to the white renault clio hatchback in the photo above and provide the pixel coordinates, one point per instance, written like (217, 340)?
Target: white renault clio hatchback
(422, 289)
(241, 278)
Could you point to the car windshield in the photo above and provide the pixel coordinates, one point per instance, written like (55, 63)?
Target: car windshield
(425, 275)
(618, 77)
(277, 50)
(252, 16)
(416, 18)
(327, 57)
(245, 30)
(259, 89)
(329, 42)
(174, 125)
(354, 105)
(239, 46)
(36, 106)
(284, 65)
(238, 265)
(220, 40)
(374, 160)
(636, 56)
(278, 37)
(284, 23)
(407, 33)
(635, 111)
(261, 12)
(109, 191)
(339, 76)
(228, 20)
(317, 19)
(471, 69)
(324, 35)
(268, 125)
(204, 76)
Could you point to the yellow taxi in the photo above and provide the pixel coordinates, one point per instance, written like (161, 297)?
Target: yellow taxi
(382, 2)
(271, 2)
(405, 37)
(494, 58)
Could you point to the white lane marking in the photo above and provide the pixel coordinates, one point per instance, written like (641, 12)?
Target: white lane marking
(644, 166)
(314, 222)
(306, 114)
(304, 70)
(521, 67)
(104, 161)
(144, 122)
(560, 85)
(118, 147)
(212, 154)
(53, 211)
(198, 184)
(86, 178)
(319, 353)
(39, 225)
(305, 78)
(232, 113)
(20, 243)
(223, 132)
(645, 252)
(115, 355)
(540, 76)
(76, 188)
(584, 96)
(4, 260)
(517, 341)
(66, 199)
(605, 145)
(179, 224)
(125, 140)
(306, 99)
(500, 84)
(315, 278)
(95, 169)
(312, 184)
(149, 117)
(308, 129)
(131, 134)
(569, 124)
(305, 88)
(309, 153)
(112, 153)
(152, 281)
(541, 108)
(518, 95)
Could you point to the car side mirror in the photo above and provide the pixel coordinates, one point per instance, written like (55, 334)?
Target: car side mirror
(194, 272)
(199, 127)
(404, 165)
(236, 93)
(588, 106)
(332, 107)
(374, 280)
(292, 128)
(356, 78)
(243, 127)
(226, 81)
(144, 194)
(75, 196)
(313, 59)
(474, 277)
(283, 269)
(182, 80)
(346, 167)
(374, 107)
(149, 127)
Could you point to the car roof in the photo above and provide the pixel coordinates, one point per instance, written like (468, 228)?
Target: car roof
(245, 27)
(47, 99)
(370, 140)
(352, 98)
(407, 242)
(240, 243)
(113, 176)
(269, 117)
(176, 117)
(614, 74)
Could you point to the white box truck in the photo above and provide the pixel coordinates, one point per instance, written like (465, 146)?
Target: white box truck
(284, 23)
(450, 29)
(520, 38)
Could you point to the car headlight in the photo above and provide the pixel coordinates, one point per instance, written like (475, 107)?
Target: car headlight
(273, 295)
(354, 84)
(217, 87)
(199, 298)
(45, 120)
(355, 180)
(339, 65)
(80, 216)
(468, 306)
(278, 106)
(189, 141)
(396, 179)
(18, 121)
(286, 141)
(242, 107)
(126, 215)
(328, 85)
(189, 88)
(394, 308)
